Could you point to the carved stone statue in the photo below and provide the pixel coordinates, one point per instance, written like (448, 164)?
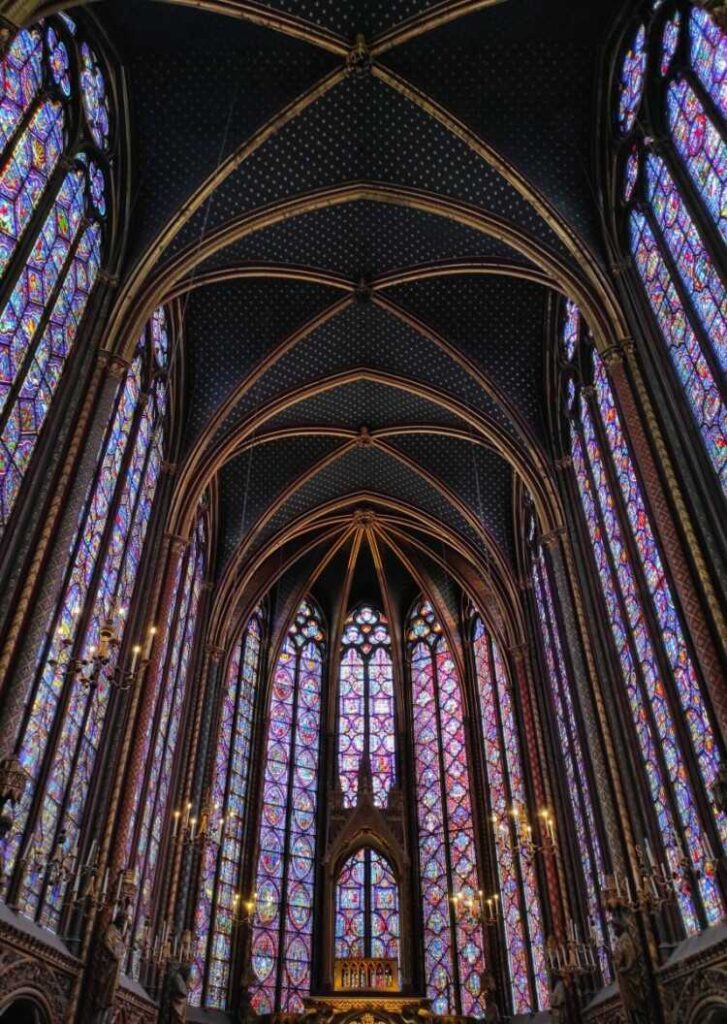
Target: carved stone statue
(106, 969)
(558, 1001)
(630, 973)
(177, 993)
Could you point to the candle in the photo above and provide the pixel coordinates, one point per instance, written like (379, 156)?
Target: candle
(135, 652)
(649, 854)
(192, 827)
(104, 884)
(92, 854)
(175, 827)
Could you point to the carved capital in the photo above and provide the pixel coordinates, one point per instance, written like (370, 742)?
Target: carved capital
(110, 280)
(215, 653)
(519, 651)
(563, 463)
(615, 354)
(115, 365)
(169, 468)
(176, 543)
(553, 538)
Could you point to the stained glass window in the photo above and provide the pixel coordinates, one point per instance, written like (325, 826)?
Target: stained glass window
(366, 705)
(283, 925)
(453, 944)
(658, 672)
(77, 665)
(572, 747)
(51, 232)
(367, 908)
(219, 894)
(517, 876)
(170, 688)
(676, 221)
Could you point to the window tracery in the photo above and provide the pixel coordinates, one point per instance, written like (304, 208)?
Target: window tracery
(367, 908)
(675, 196)
(366, 705)
(66, 712)
(571, 744)
(660, 678)
(285, 877)
(453, 946)
(522, 916)
(151, 800)
(53, 208)
(221, 863)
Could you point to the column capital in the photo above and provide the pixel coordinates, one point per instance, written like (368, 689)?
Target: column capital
(114, 364)
(615, 354)
(563, 463)
(552, 538)
(176, 542)
(215, 652)
(169, 468)
(519, 651)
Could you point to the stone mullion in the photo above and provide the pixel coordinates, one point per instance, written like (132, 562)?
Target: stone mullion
(142, 710)
(562, 681)
(186, 868)
(44, 579)
(591, 705)
(484, 841)
(557, 890)
(710, 657)
(208, 708)
(253, 808)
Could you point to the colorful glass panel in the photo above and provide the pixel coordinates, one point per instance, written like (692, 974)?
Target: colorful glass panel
(58, 61)
(171, 688)
(367, 908)
(221, 862)
(693, 262)
(708, 55)
(621, 592)
(282, 929)
(366, 706)
(574, 758)
(670, 40)
(631, 85)
(671, 631)
(447, 858)
(693, 371)
(103, 567)
(21, 74)
(95, 99)
(701, 148)
(25, 174)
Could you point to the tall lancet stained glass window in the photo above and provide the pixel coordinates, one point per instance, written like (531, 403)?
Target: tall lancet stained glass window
(366, 705)
(283, 926)
(516, 871)
(672, 722)
(54, 189)
(453, 945)
(570, 744)
(151, 800)
(219, 892)
(76, 667)
(675, 200)
(367, 911)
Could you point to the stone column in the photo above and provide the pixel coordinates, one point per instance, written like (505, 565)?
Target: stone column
(532, 743)
(591, 707)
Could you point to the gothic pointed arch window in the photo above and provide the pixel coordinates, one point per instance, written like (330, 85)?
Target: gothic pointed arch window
(285, 876)
(507, 804)
(367, 909)
(567, 726)
(56, 140)
(366, 705)
(453, 945)
(664, 697)
(219, 891)
(170, 688)
(674, 194)
(77, 665)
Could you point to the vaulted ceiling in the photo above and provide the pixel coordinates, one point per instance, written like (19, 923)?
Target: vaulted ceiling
(365, 241)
